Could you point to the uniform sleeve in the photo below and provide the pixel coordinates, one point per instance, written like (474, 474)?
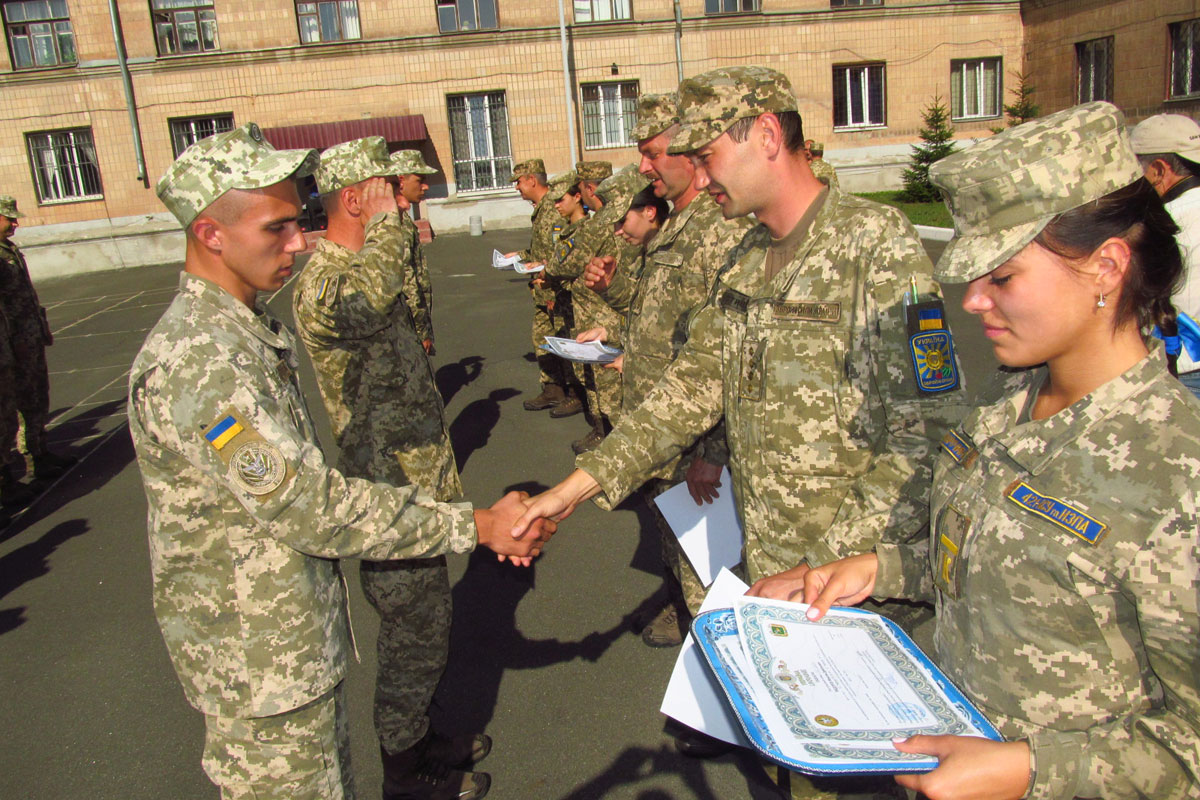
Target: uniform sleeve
(713, 447)
(890, 501)
(589, 240)
(619, 294)
(684, 404)
(418, 291)
(293, 495)
(903, 572)
(358, 302)
(1154, 752)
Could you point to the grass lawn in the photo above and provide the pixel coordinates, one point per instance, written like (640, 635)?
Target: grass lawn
(934, 214)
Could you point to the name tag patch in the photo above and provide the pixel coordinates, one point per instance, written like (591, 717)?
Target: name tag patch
(1064, 515)
(815, 312)
(669, 258)
(956, 446)
(734, 301)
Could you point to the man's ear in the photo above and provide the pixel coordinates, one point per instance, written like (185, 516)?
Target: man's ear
(770, 133)
(208, 232)
(349, 198)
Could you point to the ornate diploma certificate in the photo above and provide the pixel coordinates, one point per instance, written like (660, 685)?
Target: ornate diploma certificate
(828, 697)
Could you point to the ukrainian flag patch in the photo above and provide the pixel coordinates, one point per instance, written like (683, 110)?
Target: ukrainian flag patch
(223, 431)
(1064, 515)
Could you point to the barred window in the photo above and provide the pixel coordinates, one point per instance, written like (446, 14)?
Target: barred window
(479, 141)
(184, 26)
(1094, 70)
(602, 10)
(609, 113)
(64, 165)
(328, 21)
(859, 96)
(186, 131)
(975, 88)
(1185, 58)
(854, 3)
(39, 33)
(466, 15)
(730, 6)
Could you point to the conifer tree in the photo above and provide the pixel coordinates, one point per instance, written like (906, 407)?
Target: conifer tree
(937, 143)
(1022, 109)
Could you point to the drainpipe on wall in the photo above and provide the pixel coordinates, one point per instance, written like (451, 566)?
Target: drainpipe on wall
(678, 41)
(119, 39)
(562, 35)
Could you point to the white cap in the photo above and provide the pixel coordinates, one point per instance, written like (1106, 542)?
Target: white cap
(1167, 133)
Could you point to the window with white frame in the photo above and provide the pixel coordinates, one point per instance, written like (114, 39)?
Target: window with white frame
(39, 33)
(602, 10)
(609, 113)
(975, 88)
(64, 165)
(1094, 70)
(479, 141)
(328, 21)
(854, 3)
(184, 26)
(859, 96)
(466, 15)
(730, 6)
(1185, 58)
(186, 131)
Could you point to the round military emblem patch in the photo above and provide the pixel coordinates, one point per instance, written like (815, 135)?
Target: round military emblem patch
(257, 467)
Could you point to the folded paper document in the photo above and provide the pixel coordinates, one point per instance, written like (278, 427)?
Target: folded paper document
(583, 352)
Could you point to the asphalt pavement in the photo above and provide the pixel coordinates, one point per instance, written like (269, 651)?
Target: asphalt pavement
(544, 659)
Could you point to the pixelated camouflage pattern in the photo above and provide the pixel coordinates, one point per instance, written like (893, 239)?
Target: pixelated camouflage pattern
(302, 754)
(712, 101)
(27, 335)
(590, 310)
(682, 261)
(418, 286)
(411, 162)
(655, 113)
(8, 207)
(547, 223)
(530, 166)
(823, 171)
(236, 159)
(560, 184)
(617, 192)
(1003, 191)
(8, 401)
(1087, 649)
(830, 442)
(352, 162)
(247, 587)
(593, 170)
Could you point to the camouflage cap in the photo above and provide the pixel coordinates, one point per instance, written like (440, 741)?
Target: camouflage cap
(410, 162)
(655, 113)
(618, 192)
(354, 161)
(817, 149)
(712, 101)
(559, 184)
(530, 166)
(8, 207)
(1003, 191)
(237, 159)
(593, 170)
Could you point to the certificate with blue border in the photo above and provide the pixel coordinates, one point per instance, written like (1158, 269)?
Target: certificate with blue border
(828, 697)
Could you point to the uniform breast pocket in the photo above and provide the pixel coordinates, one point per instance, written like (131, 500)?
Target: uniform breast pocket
(948, 553)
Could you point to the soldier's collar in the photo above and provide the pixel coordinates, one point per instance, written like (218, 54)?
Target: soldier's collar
(256, 321)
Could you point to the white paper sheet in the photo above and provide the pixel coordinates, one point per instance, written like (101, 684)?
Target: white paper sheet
(693, 696)
(521, 269)
(709, 534)
(501, 261)
(583, 352)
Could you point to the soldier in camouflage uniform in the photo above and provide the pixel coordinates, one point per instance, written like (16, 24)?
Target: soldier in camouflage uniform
(28, 335)
(804, 347)
(418, 291)
(246, 521)
(13, 493)
(387, 420)
(822, 170)
(1062, 553)
(530, 179)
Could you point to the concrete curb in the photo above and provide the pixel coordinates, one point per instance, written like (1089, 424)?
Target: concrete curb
(935, 234)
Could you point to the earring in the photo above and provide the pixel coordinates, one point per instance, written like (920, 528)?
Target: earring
(1100, 303)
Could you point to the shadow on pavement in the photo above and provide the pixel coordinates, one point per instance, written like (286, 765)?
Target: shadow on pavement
(29, 562)
(472, 428)
(451, 378)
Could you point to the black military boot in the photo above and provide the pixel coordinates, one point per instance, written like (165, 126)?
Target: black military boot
(14, 494)
(427, 770)
(48, 465)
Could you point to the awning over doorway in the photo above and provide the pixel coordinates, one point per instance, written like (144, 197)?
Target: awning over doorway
(410, 128)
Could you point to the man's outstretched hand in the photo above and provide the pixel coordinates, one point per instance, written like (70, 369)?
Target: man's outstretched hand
(555, 504)
(494, 528)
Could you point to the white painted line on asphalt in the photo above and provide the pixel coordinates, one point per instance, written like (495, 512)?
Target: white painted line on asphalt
(89, 369)
(123, 376)
(57, 337)
(96, 313)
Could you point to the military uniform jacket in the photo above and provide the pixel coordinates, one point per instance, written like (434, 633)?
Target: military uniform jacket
(18, 298)
(565, 241)
(547, 222)
(418, 288)
(246, 521)
(830, 441)
(376, 381)
(1064, 559)
(590, 239)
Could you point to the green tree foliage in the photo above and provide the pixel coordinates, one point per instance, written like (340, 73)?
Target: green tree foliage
(1022, 108)
(936, 144)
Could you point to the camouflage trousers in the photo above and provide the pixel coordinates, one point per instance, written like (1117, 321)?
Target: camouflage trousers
(412, 598)
(31, 394)
(545, 324)
(8, 406)
(672, 553)
(302, 754)
(603, 385)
